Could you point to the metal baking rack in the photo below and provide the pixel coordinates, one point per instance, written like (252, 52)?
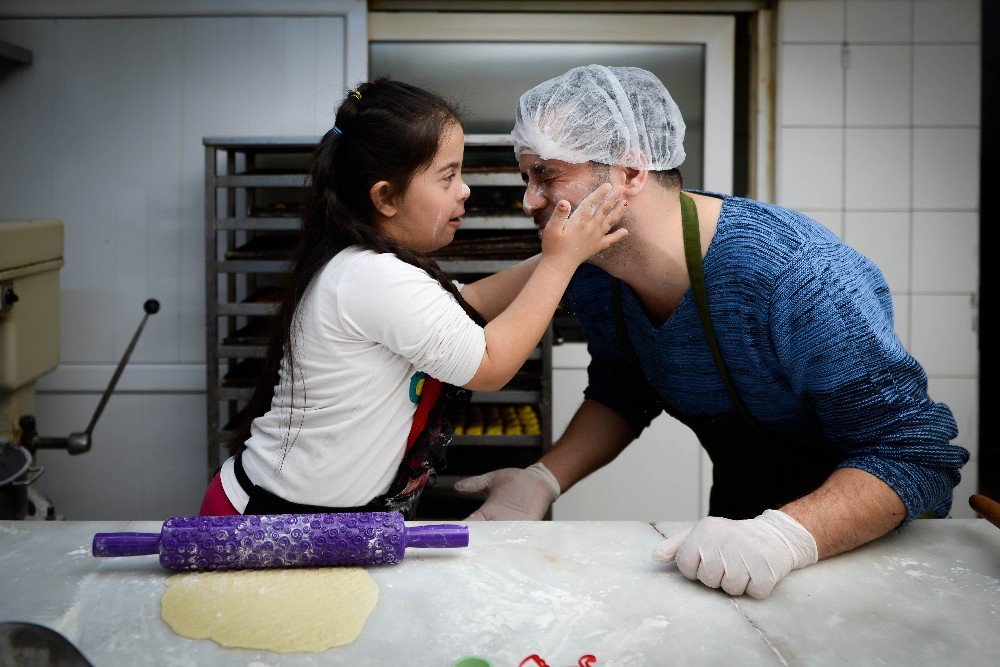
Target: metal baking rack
(255, 189)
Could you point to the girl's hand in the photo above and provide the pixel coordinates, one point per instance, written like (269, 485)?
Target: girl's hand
(573, 238)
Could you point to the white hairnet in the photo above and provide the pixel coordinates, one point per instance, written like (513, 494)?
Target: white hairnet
(613, 115)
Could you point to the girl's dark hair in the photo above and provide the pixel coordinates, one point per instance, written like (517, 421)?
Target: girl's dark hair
(388, 131)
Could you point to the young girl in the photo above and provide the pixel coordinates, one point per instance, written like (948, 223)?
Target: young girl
(348, 415)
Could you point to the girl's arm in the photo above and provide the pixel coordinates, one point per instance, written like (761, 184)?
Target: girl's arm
(567, 241)
(491, 295)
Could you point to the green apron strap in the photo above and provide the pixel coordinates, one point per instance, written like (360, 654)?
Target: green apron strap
(692, 255)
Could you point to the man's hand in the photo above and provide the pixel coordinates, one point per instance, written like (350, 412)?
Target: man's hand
(514, 494)
(749, 556)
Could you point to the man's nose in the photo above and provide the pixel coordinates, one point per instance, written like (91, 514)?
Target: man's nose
(533, 201)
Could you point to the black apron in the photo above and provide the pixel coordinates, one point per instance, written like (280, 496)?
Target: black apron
(424, 455)
(752, 470)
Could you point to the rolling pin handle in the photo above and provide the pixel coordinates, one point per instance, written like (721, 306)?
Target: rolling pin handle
(441, 536)
(125, 544)
(986, 507)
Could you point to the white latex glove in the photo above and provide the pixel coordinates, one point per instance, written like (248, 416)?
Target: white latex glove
(748, 556)
(514, 494)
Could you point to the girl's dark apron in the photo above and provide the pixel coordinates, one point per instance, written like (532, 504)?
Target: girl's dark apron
(425, 453)
(752, 470)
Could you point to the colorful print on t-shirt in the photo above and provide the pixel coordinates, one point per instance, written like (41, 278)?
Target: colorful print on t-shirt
(417, 386)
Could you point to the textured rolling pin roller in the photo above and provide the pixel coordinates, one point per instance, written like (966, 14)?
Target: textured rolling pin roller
(281, 540)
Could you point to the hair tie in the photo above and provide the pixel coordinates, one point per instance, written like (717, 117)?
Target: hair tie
(355, 93)
(337, 130)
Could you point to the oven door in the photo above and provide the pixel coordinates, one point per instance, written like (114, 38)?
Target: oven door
(484, 61)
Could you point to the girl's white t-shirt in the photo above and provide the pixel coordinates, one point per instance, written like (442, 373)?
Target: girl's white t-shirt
(367, 328)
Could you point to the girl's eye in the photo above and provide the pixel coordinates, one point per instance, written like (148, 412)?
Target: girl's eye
(450, 177)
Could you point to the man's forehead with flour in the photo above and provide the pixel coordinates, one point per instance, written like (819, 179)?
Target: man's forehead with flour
(620, 116)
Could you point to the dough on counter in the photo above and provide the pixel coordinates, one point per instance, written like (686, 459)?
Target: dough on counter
(285, 611)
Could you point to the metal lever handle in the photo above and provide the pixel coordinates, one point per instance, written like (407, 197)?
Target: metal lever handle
(79, 443)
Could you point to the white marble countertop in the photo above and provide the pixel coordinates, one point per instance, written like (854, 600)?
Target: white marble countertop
(929, 594)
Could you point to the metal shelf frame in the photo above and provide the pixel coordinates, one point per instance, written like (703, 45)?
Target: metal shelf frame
(238, 176)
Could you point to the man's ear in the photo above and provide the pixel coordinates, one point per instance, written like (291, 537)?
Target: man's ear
(381, 196)
(635, 181)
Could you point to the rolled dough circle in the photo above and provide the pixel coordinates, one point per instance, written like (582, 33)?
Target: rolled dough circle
(285, 611)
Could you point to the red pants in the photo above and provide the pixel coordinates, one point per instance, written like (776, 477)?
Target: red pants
(216, 502)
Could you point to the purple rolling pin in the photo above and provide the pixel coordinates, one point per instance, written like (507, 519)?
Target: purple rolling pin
(281, 540)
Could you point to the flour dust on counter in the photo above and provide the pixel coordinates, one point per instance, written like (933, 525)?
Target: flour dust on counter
(284, 611)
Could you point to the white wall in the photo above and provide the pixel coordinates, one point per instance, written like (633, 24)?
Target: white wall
(886, 154)
(664, 473)
(104, 131)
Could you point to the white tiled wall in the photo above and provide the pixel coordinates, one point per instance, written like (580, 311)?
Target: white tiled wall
(878, 139)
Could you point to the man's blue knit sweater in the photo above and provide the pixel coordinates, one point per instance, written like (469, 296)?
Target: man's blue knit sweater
(805, 327)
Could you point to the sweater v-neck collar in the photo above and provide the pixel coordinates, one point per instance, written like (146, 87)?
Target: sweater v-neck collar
(631, 302)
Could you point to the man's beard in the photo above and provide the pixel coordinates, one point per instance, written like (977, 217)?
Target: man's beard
(620, 253)
(614, 256)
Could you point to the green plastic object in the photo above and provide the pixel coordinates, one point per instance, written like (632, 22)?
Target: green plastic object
(472, 661)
